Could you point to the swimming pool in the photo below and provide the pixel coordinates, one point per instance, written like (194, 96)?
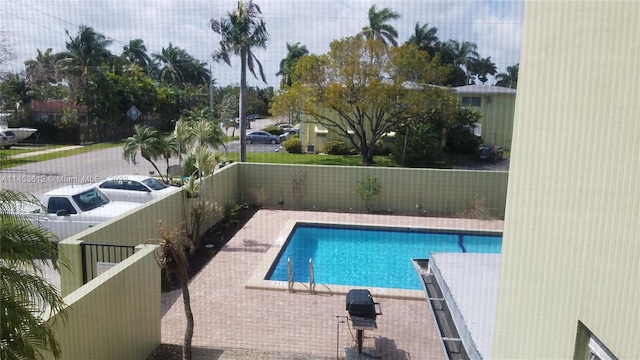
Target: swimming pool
(370, 257)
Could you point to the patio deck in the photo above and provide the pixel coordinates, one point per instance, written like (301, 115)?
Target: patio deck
(229, 316)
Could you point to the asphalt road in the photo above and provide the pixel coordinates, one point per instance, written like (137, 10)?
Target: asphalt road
(40, 177)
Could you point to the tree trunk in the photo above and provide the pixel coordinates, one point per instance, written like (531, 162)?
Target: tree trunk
(188, 334)
(367, 155)
(154, 166)
(243, 104)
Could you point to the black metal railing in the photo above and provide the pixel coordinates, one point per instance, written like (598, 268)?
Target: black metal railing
(103, 255)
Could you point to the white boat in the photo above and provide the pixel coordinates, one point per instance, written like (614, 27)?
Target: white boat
(21, 132)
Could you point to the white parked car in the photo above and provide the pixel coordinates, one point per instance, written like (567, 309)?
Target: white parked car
(7, 139)
(135, 188)
(71, 209)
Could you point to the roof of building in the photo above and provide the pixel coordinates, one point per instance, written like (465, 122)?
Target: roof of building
(55, 106)
(484, 90)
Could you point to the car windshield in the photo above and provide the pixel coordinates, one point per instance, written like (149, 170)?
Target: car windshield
(90, 199)
(154, 184)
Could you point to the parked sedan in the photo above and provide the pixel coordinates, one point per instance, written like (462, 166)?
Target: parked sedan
(7, 139)
(489, 152)
(135, 188)
(262, 137)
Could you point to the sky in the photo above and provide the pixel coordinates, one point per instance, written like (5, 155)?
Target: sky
(495, 26)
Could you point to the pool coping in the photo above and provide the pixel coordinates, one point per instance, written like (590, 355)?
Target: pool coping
(258, 279)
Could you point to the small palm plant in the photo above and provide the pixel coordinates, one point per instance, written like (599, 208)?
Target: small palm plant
(148, 142)
(172, 258)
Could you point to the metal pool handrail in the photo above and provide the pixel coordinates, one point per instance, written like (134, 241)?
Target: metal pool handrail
(312, 284)
(289, 276)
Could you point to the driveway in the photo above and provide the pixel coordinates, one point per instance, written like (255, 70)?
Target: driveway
(500, 165)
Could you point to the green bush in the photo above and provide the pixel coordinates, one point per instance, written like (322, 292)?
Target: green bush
(275, 130)
(336, 147)
(381, 148)
(293, 146)
(189, 165)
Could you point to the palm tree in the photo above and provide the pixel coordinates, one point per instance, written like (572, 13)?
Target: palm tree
(84, 52)
(425, 38)
(174, 63)
(41, 72)
(483, 67)
(510, 78)
(463, 54)
(25, 294)
(136, 52)
(378, 29)
(294, 52)
(172, 258)
(148, 142)
(242, 30)
(169, 146)
(196, 73)
(203, 131)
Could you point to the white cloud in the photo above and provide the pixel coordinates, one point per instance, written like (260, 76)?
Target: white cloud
(494, 25)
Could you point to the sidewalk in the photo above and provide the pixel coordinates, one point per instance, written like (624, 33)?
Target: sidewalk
(41, 152)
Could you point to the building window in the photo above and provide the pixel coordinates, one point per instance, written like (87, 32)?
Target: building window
(472, 101)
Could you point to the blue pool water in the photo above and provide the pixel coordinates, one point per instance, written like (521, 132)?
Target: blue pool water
(370, 257)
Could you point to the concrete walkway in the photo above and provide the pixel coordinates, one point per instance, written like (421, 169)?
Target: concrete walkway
(41, 152)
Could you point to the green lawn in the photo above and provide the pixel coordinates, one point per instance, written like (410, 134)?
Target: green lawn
(22, 150)
(4, 164)
(284, 157)
(281, 157)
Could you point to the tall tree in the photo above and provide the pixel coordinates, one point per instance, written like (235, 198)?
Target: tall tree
(510, 78)
(378, 27)
(463, 54)
(242, 30)
(136, 52)
(25, 294)
(41, 72)
(294, 52)
(85, 52)
(425, 38)
(483, 67)
(174, 64)
(359, 89)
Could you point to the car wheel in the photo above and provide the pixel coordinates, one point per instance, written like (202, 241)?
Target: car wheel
(249, 141)
(8, 147)
(274, 141)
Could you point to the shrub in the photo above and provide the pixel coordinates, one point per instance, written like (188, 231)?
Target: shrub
(231, 211)
(275, 130)
(336, 147)
(476, 209)
(381, 148)
(189, 165)
(367, 189)
(293, 146)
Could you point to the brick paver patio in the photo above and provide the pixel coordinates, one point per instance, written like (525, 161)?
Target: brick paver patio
(228, 316)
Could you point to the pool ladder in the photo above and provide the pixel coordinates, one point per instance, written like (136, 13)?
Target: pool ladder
(312, 284)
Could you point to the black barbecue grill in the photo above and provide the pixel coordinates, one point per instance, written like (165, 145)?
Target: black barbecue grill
(362, 312)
